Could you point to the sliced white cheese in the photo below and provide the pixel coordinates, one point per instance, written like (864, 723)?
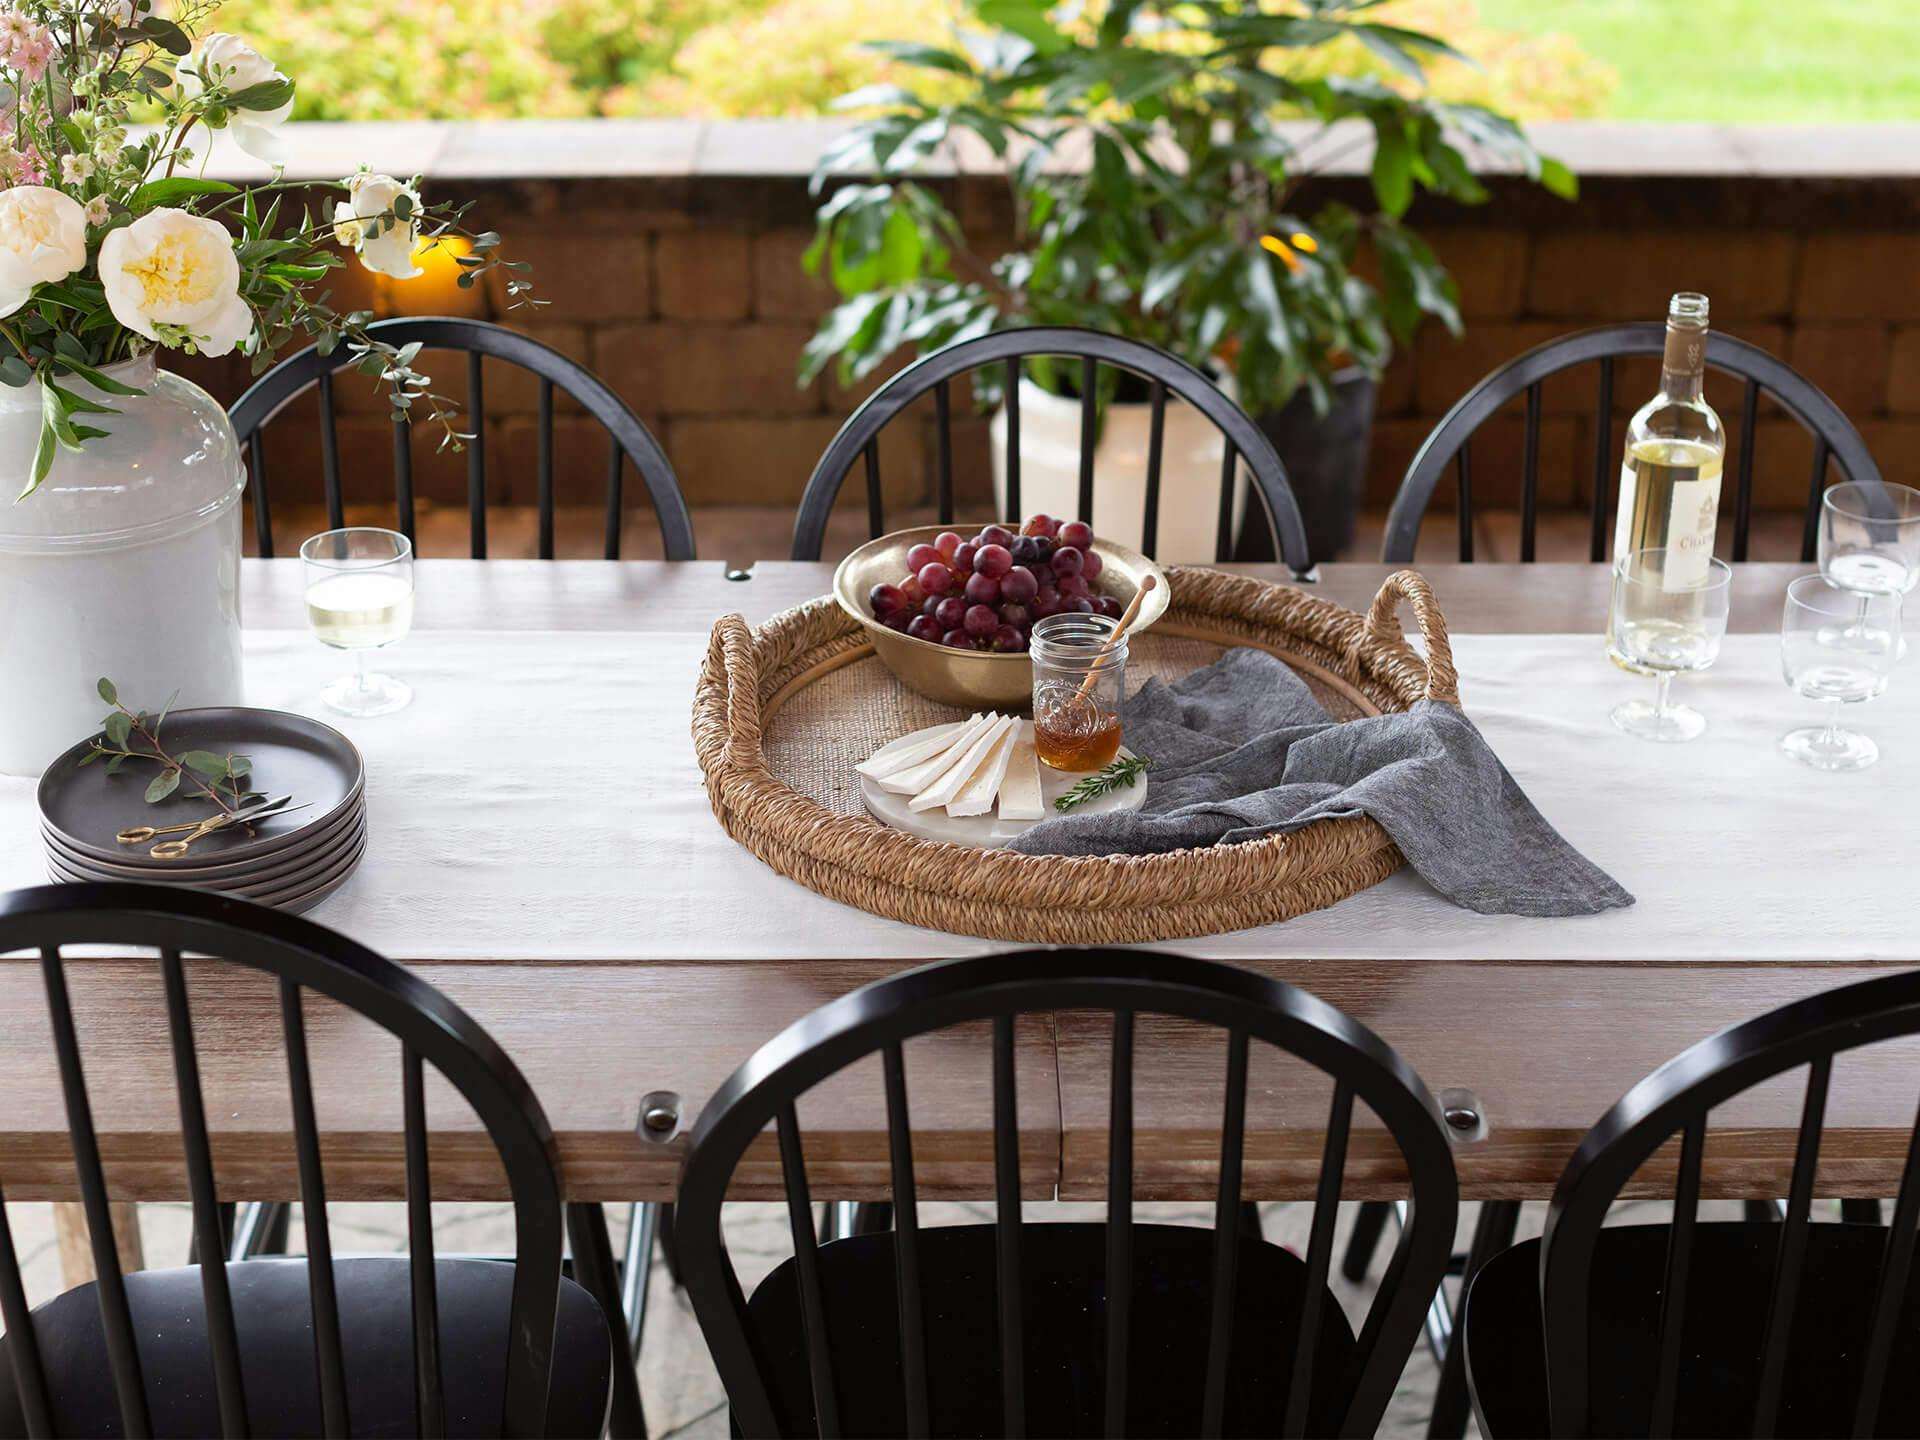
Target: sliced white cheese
(916, 778)
(1020, 786)
(976, 796)
(948, 785)
(911, 750)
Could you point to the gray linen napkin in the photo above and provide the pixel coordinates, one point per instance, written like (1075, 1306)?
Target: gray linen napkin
(1241, 749)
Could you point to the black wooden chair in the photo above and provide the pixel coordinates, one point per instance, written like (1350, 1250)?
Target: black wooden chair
(381, 1345)
(1164, 375)
(1834, 437)
(1061, 1329)
(1697, 1328)
(628, 441)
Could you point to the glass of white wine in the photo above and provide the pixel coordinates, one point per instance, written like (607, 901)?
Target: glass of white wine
(1869, 545)
(1838, 647)
(1669, 615)
(360, 598)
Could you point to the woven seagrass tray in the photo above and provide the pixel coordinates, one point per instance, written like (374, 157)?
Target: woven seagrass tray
(784, 712)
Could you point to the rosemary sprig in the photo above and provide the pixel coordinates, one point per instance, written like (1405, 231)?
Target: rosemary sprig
(1122, 772)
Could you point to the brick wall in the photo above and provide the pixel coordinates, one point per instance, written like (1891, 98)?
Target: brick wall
(684, 291)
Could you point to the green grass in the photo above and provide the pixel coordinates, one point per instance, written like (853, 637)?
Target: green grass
(1742, 61)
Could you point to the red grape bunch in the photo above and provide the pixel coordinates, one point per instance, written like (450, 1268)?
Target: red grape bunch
(986, 593)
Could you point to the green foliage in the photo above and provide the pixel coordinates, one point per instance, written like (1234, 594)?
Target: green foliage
(1161, 182)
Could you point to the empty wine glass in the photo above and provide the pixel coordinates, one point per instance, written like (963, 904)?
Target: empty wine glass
(1869, 545)
(1836, 647)
(1666, 622)
(360, 598)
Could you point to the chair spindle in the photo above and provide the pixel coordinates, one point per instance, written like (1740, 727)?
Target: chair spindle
(110, 1286)
(476, 457)
(262, 508)
(330, 455)
(616, 501)
(403, 475)
(806, 1260)
(1223, 525)
(1156, 438)
(429, 1389)
(1226, 1237)
(545, 464)
(222, 1338)
(1007, 1233)
(1816, 487)
(1089, 434)
(29, 1378)
(1463, 477)
(943, 451)
(1793, 1250)
(1743, 495)
(876, 517)
(906, 1245)
(1326, 1211)
(1012, 404)
(1889, 1294)
(1602, 460)
(1530, 476)
(1672, 1331)
(329, 1359)
(1119, 1222)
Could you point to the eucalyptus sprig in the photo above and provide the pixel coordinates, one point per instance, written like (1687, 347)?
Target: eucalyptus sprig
(1122, 774)
(220, 777)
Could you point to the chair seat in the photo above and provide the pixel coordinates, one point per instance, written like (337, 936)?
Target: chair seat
(271, 1316)
(1064, 1266)
(1729, 1288)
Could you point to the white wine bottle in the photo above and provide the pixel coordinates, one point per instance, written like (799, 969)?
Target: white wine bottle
(1675, 452)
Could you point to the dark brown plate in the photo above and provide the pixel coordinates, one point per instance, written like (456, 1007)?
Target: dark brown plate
(86, 807)
(336, 866)
(273, 872)
(312, 840)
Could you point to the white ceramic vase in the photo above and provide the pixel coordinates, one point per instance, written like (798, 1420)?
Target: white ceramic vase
(1190, 455)
(125, 563)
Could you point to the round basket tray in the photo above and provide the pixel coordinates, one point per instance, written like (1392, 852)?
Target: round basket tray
(784, 712)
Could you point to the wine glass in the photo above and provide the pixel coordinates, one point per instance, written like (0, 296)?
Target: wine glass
(1836, 647)
(1667, 617)
(1869, 545)
(360, 598)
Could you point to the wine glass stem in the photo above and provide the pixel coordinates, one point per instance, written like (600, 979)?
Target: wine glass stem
(1832, 737)
(1662, 683)
(360, 671)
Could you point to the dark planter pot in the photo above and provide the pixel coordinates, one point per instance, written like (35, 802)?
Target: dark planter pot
(1326, 460)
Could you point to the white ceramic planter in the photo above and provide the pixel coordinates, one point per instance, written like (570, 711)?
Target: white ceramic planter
(1050, 472)
(125, 563)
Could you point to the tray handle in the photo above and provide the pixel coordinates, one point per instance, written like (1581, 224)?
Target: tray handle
(1383, 624)
(735, 672)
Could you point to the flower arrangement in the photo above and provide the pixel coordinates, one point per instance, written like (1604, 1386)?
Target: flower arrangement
(111, 245)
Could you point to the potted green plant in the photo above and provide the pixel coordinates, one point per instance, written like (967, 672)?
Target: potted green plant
(1162, 159)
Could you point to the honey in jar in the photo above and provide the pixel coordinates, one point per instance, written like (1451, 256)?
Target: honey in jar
(1077, 684)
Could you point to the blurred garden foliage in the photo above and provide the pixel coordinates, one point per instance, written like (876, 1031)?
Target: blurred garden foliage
(498, 59)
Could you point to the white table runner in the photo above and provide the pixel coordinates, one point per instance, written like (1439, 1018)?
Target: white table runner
(540, 800)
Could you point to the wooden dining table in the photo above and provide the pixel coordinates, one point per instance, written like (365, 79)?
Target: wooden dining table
(1533, 1032)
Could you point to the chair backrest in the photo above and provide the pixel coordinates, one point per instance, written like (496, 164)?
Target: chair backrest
(431, 1030)
(1677, 1099)
(1834, 436)
(628, 440)
(880, 1017)
(1165, 374)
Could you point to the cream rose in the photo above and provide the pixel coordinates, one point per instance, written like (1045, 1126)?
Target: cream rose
(178, 270)
(391, 251)
(43, 239)
(229, 61)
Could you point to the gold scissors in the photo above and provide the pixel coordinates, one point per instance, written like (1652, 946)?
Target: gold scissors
(174, 849)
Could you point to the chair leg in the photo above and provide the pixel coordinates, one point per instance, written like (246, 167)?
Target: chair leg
(1492, 1233)
(593, 1267)
(669, 1247)
(1861, 1212)
(1367, 1227)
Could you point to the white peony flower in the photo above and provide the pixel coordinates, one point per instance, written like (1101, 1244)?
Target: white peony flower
(228, 61)
(391, 251)
(173, 269)
(76, 169)
(43, 239)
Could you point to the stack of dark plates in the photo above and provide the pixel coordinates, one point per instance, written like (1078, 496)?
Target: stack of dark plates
(292, 860)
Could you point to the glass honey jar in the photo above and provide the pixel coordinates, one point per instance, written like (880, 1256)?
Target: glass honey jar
(1077, 686)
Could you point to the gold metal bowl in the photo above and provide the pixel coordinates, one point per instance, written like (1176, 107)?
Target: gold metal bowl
(973, 679)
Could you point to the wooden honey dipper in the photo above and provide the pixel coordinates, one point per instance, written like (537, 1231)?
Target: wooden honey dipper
(1127, 617)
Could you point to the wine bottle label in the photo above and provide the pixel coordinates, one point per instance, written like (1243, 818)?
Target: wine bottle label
(1682, 521)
